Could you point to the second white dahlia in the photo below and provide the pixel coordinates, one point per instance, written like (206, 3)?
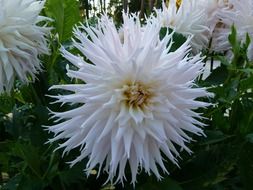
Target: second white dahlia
(22, 40)
(187, 18)
(240, 14)
(138, 99)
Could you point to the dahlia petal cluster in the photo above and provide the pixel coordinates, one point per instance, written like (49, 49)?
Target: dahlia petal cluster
(212, 8)
(136, 102)
(188, 18)
(240, 14)
(22, 40)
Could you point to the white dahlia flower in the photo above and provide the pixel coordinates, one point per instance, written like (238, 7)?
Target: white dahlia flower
(240, 14)
(21, 40)
(212, 8)
(189, 19)
(137, 100)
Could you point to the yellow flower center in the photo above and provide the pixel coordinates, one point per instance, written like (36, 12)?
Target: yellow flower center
(178, 3)
(137, 94)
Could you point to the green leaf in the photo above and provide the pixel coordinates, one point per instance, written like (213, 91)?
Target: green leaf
(214, 137)
(246, 70)
(65, 14)
(6, 103)
(246, 166)
(247, 42)
(218, 76)
(208, 167)
(164, 184)
(72, 175)
(249, 137)
(12, 184)
(31, 183)
(233, 40)
(223, 60)
(169, 183)
(30, 155)
(242, 115)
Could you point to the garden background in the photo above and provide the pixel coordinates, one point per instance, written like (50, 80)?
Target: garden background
(221, 160)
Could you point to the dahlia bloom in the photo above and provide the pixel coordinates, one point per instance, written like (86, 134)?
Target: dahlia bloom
(212, 8)
(188, 19)
(21, 40)
(136, 102)
(240, 14)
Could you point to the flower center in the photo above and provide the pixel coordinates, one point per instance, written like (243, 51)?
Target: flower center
(178, 3)
(137, 95)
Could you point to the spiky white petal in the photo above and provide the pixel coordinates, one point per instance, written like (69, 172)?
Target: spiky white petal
(188, 19)
(21, 40)
(138, 98)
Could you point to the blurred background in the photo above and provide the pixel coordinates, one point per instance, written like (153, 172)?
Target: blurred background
(89, 8)
(221, 161)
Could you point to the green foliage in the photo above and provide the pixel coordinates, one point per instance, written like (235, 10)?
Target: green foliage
(65, 14)
(222, 160)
